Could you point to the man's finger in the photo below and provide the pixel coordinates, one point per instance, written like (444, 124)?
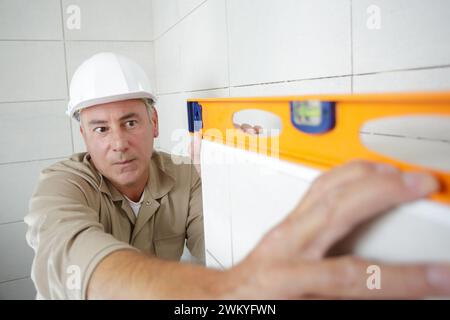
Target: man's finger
(349, 277)
(363, 200)
(316, 227)
(340, 176)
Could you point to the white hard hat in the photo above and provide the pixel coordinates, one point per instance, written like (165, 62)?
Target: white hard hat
(107, 77)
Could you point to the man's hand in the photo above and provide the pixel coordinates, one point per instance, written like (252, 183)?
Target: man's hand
(290, 261)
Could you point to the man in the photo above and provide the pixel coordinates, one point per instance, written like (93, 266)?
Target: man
(116, 215)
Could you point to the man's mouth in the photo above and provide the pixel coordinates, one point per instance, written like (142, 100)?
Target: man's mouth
(124, 162)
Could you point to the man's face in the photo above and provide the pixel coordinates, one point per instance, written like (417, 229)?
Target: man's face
(119, 137)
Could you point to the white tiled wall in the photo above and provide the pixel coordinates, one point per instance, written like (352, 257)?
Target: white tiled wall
(111, 20)
(38, 55)
(289, 40)
(32, 70)
(295, 47)
(198, 42)
(194, 48)
(30, 20)
(412, 34)
(267, 47)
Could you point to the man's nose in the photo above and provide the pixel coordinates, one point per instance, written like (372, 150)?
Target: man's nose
(119, 141)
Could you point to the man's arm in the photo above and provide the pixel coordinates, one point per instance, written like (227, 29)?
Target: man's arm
(67, 237)
(127, 274)
(290, 261)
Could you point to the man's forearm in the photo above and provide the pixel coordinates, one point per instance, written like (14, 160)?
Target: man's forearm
(128, 274)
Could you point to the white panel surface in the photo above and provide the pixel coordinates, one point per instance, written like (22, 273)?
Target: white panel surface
(216, 204)
(263, 190)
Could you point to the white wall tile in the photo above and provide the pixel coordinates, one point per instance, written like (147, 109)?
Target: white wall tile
(110, 20)
(32, 71)
(17, 182)
(165, 15)
(185, 7)
(216, 204)
(173, 120)
(172, 117)
(204, 55)
(410, 80)
(140, 52)
(413, 33)
(257, 191)
(299, 39)
(193, 54)
(168, 64)
(15, 252)
(30, 20)
(341, 85)
(34, 130)
(267, 191)
(22, 289)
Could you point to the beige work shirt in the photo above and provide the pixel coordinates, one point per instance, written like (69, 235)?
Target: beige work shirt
(77, 218)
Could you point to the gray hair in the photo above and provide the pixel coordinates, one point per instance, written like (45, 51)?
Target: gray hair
(149, 104)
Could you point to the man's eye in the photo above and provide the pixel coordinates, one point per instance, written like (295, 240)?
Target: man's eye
(101, 129)
(131, 124)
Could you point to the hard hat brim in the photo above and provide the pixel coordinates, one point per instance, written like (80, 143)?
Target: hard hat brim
(113, 98)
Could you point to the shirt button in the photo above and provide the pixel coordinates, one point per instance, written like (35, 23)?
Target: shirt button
(147, 203)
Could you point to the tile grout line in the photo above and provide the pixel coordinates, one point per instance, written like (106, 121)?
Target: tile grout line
(310, 79)
(67, 69)
(228, 47)
(22, 278)
(11, 222)
(80, 40)
(33, 160)
(153, 42)
(215, 259)
(179, 21)
(32, 101)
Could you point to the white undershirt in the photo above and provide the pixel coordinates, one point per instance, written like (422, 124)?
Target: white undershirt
(135, 206)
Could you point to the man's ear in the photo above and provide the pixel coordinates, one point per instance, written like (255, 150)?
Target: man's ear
(155, 123)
